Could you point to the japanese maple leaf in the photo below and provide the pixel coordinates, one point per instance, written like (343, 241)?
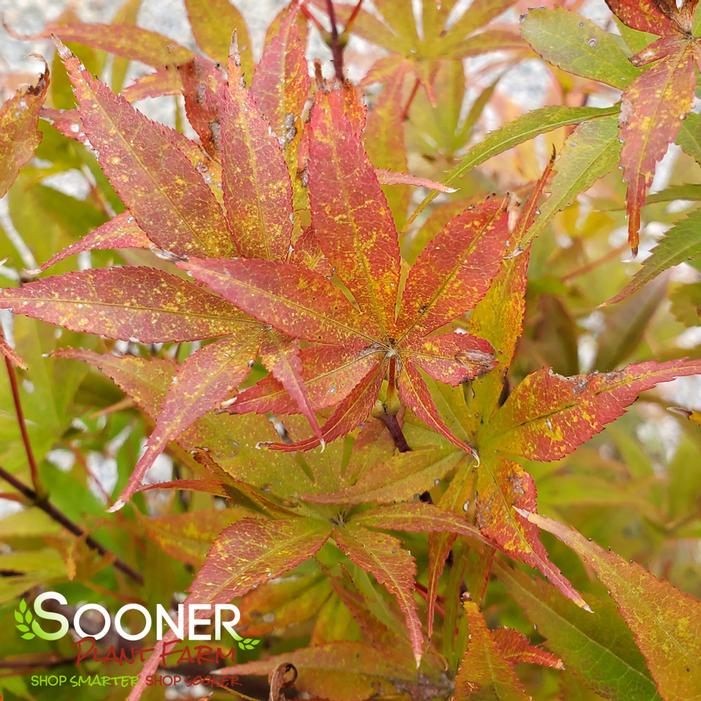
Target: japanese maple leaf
(182, 203)
(360, 330)
(656, 102)
(546, 417)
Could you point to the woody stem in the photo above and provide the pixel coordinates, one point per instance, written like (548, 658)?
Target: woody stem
(334, 41)
(389, 417)
(21, 422)
(50, 510)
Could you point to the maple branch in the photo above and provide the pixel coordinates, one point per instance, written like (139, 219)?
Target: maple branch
(35, 664)
(19, 413)
(50, 510)
(395, 430)
(334, 42)
(390, 407)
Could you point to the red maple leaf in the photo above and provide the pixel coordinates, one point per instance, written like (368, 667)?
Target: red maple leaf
(656, 102)
(359, 328)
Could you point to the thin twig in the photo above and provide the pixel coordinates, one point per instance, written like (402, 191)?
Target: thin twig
(17, 400)
(591, 265)
(63, 520)
(335, 44)
(36, 663)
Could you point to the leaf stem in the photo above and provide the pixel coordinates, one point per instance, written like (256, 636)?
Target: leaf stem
(410, 100)
(50, 510)
(310, 16)
(353, 16)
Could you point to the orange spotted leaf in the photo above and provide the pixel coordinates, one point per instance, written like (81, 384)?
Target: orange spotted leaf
(503, 486)
(145, 304)
(455, 269)
(452, 358)
(201, 80)
(121, 231)
(296, 301)
(547, 416)
(162, 188)
(188, 536)
(202, 382)
(664, 621)
(352, 222)
(653, 108)
(126, 40)
(662, 48)
(517, 649)
(164, 81)
(383, 556)
(255, 550)
(281, 80)
(308, 254)
(351, 412)
(484, 668)
(19, 135)
(643, 15)
(257, 188)
(329, 374)
(283, 361)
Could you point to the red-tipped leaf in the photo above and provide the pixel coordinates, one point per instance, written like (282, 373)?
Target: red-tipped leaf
(19, 135)
(296, 301)
(257, 188)
(352, 222)
(503, 486)
(392, 566)
(201, 383)
(547, 416)
(162, 188)
(653, 108)
(143, 304)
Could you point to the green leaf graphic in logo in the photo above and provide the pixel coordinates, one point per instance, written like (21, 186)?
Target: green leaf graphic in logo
(246, 643)
(24, 618)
